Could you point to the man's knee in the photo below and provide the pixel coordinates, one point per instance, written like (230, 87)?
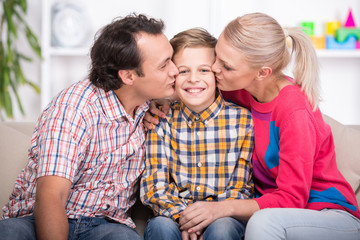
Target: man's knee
(162, 228)
(17, 228)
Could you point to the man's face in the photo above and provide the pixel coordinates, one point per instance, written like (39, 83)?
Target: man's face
(195, 84)
(158, 70)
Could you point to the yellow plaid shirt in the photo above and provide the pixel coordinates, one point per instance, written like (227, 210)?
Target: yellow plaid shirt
(198, 157)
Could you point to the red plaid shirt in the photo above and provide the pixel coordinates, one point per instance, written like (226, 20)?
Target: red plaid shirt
(86, 136)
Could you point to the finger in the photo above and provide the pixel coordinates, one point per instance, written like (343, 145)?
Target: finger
(193, 236)
(147, 125)
(199, 227)
(165, 108)
(155, 110)
(184, 235)
(189, 214)
(149, 118)
(193, 222)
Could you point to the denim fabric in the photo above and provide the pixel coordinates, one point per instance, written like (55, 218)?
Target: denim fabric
(22, 228)
(84, 228)
(164, 228)
(299, 224)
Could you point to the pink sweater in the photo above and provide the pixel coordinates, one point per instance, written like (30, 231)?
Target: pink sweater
(294, 156)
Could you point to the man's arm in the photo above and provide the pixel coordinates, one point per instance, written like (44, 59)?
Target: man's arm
(52, 193)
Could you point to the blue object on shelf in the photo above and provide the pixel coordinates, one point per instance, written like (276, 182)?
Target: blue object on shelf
(349, 43)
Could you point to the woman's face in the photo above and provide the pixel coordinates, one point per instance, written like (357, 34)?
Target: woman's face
(231, 70)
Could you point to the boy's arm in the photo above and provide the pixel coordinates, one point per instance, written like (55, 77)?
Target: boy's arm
(157, 190)
(51, 221)
(241, 185)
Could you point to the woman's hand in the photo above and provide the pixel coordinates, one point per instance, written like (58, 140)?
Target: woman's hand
(199, 215)
(157, 107)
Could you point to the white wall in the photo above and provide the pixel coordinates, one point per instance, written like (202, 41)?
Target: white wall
(339, 76)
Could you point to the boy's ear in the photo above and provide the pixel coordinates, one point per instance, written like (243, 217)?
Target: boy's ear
(264, 72)
(126, 76)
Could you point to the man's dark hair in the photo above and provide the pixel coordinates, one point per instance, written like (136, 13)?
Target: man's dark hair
(115, 48)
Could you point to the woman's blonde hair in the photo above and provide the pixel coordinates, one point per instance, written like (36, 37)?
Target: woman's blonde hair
(263, 42)
(194, 37)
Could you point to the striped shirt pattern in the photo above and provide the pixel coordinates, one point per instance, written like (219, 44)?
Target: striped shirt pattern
(198, 157)
(86, 136)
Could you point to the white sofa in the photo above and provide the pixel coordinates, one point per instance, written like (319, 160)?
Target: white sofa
(15, 139)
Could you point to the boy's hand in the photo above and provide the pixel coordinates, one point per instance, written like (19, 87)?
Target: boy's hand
(185, 235)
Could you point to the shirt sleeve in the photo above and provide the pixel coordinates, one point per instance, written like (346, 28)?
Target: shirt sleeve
(157, 190)
(296, 160)
(61, 142)
(241, 185)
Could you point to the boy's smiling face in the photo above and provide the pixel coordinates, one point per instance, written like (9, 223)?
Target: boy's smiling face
(195, 85)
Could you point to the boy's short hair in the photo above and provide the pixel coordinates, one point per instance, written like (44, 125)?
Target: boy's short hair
(194, 37)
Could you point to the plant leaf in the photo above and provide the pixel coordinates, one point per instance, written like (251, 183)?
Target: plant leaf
(8, 11)
(33, 41)
(15, 88)
(8, 104)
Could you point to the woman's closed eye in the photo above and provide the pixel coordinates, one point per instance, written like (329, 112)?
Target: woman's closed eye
(226, 67)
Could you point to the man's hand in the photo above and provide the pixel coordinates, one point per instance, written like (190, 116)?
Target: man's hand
(199, 215)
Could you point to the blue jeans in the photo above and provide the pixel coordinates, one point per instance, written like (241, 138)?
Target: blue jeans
(87, 228)
(164, 228)
(294, 224)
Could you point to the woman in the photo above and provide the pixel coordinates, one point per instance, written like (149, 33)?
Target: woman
(300, 192)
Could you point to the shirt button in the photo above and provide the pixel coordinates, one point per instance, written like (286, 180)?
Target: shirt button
(198, 188)
(197, 118)
(198, 133)
(199, 164)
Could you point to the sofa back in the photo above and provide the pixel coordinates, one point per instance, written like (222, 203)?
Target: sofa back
(15, 140)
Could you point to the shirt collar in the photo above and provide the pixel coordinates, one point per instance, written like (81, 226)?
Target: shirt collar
(205, 116)
(113, 108)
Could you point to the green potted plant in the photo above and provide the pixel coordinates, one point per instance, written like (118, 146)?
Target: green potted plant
(13, 25)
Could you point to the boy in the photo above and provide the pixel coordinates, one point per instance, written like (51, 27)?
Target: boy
(201, 151)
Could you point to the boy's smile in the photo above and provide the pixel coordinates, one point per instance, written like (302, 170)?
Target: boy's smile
(195, 85)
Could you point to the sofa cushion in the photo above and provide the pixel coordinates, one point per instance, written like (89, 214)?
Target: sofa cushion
(13, 158)
(347, 150)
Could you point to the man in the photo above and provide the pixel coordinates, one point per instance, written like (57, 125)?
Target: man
(87, 150)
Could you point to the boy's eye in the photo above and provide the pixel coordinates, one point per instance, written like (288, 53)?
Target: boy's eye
(204, 70)
(183, 71)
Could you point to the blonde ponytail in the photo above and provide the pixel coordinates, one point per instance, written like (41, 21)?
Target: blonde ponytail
(306, 66)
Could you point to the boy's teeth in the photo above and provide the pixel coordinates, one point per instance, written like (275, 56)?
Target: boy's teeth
(194, 90)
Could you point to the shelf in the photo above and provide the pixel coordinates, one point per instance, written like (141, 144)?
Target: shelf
(338, 53)
(73, 52)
